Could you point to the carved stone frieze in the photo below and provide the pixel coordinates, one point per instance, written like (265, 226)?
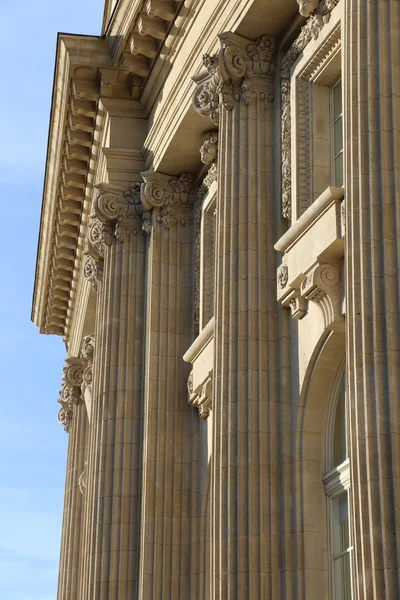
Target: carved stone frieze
(70, 394)
(167, 195)
(318, 13)
(231, 72)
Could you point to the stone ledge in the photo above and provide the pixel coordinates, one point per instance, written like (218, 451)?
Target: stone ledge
(201, 356)
(312, 250)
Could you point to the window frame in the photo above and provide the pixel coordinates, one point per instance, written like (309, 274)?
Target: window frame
(335, 155)
(312, 76)
(336, 482)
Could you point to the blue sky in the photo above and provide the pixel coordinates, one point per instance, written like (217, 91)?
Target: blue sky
(32, 444)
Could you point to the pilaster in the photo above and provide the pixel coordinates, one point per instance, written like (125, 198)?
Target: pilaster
(238, 94)
(372, 143)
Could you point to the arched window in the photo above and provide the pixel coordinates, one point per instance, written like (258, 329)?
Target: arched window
(337, 489)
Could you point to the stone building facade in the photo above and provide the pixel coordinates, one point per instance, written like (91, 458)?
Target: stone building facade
(219, 249)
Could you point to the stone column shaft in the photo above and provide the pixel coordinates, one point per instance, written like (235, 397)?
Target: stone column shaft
(113, 492)
(372, 147)
(168, 496)
(245, 448)
(72, 530)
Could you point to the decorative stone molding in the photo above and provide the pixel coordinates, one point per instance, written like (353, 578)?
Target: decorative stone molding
(94, 253)
(230, 73)
(209, 148)
(70, 394)
(87, 353)
(166, 194)
(201, 356)
(312, 250)
(318, 14)
(296, 303)
(283, 276)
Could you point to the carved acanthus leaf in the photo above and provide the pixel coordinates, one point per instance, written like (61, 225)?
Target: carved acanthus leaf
(70, 394)
(166, 194)
(209, 148)
(87, 353)
(234, 67)
(117, 209)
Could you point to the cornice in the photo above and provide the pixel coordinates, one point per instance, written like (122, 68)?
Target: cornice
(73, 113)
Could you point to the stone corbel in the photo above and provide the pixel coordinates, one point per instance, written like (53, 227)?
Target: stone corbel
(230, 74)
(164, 195)
(201, 356)
(322, 286)
(201, 397)
(296, 303)
(70, 394)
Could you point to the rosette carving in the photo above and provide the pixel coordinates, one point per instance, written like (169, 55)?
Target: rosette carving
(318, 13)
(166, 195)
(70, 394)
(233, 68)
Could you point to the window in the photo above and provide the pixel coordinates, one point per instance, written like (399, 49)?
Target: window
(337, 489)
(337, 134)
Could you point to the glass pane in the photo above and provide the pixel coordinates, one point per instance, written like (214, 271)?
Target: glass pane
(338, 136)
(339, 428)
(337, 100)
(339, 170)
(342, 581)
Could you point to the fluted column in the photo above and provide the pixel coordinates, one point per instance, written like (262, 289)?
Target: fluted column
(372, 147)
(73, 416)
(239, 93)
(117, 252)
(167, 500)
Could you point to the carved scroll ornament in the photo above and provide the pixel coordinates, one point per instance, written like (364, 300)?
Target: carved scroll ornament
(116, 214)
(70, 394)
(166, 194)
(231, 72)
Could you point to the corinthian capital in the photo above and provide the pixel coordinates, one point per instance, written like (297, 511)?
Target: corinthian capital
(231, 72)
(70, 394)
(117, 210)
(165, 193)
